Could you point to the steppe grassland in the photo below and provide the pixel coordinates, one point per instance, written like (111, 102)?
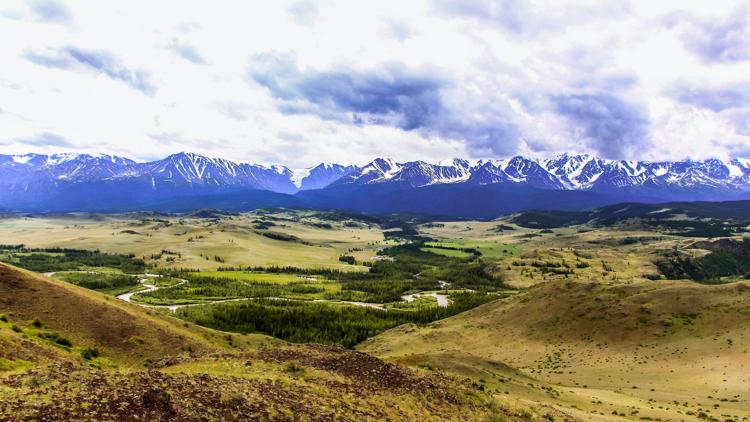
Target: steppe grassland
(521, 255)
(329, 286)
(448, 252)
(201, 243)
(672, 350)
(57, 363)
(601, 254)
(593, 335)
(601, 338)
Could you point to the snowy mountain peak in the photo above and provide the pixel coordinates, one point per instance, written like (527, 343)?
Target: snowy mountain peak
(192, 171)
(320, 176)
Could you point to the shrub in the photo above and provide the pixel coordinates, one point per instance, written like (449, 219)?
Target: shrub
(233, 400)
(57, 339)
(280, 236)
(294, 369)
(348, 259)
(36, 381)
(90, 353)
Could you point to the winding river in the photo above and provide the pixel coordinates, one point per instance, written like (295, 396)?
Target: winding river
(442, 300)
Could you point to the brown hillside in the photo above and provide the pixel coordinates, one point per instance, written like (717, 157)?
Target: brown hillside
(126, 333)
(631, 347)
(194, 373)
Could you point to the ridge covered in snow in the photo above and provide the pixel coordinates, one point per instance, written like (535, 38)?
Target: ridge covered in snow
(564, 172)
(188, 170)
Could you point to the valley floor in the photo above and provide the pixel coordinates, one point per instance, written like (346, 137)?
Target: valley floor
(475, 320)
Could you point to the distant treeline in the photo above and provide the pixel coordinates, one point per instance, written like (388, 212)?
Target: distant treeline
(314, 322)
(727, 258)
(217, 288)
(472, 251)
(280, 269)
(99, 281)
(64, 259)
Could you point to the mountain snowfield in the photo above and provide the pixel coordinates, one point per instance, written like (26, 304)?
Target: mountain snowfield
(33, 181)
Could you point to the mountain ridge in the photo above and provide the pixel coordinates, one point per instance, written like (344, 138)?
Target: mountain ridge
(86, 182)
(562, 172)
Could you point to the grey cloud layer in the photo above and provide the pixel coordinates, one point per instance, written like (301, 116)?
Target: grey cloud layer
(715, 99)
(50, 11)
(72, 58)
(521, 17)
(479, 78)
(393, 95)
(607, 123)
(416, 100)
(187, 51)
(46, 139)
(725, 39)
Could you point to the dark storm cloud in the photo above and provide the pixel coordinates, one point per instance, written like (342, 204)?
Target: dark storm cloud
(496, 136)
(99, 61)
(609, 125)
(50, 11)
(714, 99)
(392, 96)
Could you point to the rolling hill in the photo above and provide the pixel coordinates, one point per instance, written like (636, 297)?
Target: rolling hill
(725, 211)
(672, 350)
(67, 353)
(122, 332)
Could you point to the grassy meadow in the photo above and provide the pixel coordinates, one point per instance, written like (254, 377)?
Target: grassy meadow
(202, 243)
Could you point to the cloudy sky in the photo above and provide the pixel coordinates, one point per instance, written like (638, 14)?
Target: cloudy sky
(346, 81)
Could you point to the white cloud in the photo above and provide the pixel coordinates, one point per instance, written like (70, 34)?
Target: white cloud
(542, 81)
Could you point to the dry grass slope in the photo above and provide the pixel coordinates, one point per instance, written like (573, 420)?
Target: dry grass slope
(195, 373)
(669, 350)
(197, 241)
(120, 331)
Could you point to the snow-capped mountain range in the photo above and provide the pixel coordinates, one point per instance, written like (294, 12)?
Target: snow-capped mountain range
(564, 172)
(42, 179)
